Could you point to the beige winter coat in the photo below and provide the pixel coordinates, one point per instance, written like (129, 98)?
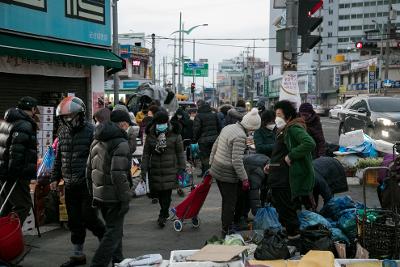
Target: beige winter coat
(226, 157)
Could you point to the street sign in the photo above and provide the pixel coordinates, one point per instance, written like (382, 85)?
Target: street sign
(196, 68)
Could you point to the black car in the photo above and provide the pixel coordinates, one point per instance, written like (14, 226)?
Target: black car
(378, 117)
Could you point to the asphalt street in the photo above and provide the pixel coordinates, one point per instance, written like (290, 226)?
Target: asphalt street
(330, 128)
(141, 233)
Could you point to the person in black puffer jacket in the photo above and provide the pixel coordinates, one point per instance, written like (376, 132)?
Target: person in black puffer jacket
(108, 173)
(206, 129)
(236, 114)
(75, 137)
(18, 155)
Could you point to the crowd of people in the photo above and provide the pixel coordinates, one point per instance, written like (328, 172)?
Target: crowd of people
(94, 160)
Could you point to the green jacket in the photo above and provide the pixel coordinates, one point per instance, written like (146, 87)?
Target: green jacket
(265, 141)
(300, 145)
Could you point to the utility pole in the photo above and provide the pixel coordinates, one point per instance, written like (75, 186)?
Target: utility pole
(153, 55)
(183, 54)
(164, 72)
(115, 48)
(252, 72)
(194, 60)
(388, 38)
(174, 69)
(159, 73)
(180, 52)
(292, 8)
(318, 81)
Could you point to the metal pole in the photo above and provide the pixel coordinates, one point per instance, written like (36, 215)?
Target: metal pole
(291, 22)
(153, 54)
(180, 52)
(159, 73)
(252, 72)
(381, 58)
(183, 54)
(194, 59)
(164, 73)
(387, 52)
(319, 68)
(174, 68)
(115, 49)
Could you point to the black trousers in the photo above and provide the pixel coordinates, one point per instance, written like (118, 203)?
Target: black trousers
(20, 200)
(164, 199)
(230, 193)
(204, 155)
(82, 215)
(110, 248)
(287, 210)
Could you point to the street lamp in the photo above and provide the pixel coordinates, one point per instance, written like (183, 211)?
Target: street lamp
(381, 52)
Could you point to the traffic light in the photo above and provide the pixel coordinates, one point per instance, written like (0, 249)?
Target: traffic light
(307, 24)
(192, 87)
(366, 45)
(359, 45)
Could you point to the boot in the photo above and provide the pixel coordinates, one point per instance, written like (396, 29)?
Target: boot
(75, 261)
(161, 222)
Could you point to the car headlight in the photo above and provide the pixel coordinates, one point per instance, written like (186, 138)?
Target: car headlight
(385, 122)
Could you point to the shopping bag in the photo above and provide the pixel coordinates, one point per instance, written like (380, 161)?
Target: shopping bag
(46, 167)
(267, 219)
(141, 189)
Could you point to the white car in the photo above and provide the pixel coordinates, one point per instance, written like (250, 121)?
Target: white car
(320, 110)
(334, 112)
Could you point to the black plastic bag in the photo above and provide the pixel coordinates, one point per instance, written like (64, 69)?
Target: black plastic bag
(316, 237)
(272, 247)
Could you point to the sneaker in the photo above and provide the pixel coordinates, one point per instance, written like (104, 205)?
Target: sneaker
(161, 222)
(75, 261)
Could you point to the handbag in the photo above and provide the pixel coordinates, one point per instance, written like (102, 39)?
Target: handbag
(141, 189)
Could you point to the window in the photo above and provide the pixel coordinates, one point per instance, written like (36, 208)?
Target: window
(330, 11)
(357, 4)
(366, 15)
(353, 16)
(386, 2)
(330, 23)
(385, 14)
(329, 34)
(379, 14)
(341, 6)
(373, 3)
(342, 29)
(356, 104)
(343, 40)
(329, 45)
(372, 15)
(328, 57)
(359, 16)
(379, 3)
(366, 3)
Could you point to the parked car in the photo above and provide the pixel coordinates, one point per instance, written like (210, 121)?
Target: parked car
(334, 112)
(378, 117)
(320, 110)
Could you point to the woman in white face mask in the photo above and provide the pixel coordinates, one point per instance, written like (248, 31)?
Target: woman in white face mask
(264, 137)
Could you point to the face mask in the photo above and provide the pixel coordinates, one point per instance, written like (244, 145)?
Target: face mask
(280, 123)
(179, 116)
(271, 126)
(162, 127)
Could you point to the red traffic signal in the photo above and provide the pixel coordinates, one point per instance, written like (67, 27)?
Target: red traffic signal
(192, 86)
(315, 8)
(359, 45)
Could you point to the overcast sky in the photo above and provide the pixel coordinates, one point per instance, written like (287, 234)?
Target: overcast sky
(226, 19)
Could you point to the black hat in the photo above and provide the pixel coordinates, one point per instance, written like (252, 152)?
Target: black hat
(120, 116)
(161, 117)
(27, 103)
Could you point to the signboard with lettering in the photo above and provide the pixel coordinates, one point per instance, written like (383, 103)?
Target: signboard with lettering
(289, 89)
(196, 69)
(84, 21)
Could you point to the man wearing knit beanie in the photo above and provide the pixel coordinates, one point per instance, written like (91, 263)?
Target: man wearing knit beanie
(227, 166)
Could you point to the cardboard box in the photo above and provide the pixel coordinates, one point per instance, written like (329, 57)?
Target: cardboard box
(46, 110)
(178, 260)
(47, 134)
(46, 126)
(46, 118)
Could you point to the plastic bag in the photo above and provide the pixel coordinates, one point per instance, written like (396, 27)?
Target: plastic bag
(338, 235)
(273, 247)
(316, 237)
(309, 218)
(336, 205)
(184, 178)
(141, 189)
(235, 239)
(367, 148)
(348, 223)
(267, 219)
(46, 167)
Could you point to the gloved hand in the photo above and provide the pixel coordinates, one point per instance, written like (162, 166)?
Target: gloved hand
(124, 208)
(245, 185)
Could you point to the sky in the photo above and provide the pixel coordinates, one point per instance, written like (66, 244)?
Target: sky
(225, 19)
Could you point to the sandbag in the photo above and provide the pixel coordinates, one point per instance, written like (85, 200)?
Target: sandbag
(273, 247)
(267, 219)
(316, 237)
(308, 218)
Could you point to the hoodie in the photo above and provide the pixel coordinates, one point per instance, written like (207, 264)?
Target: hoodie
(108, 165)
(235, 115)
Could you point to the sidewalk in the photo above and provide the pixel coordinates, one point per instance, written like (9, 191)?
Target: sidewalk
(142, 235)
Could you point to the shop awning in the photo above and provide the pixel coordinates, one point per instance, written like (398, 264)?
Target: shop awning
(31, 48)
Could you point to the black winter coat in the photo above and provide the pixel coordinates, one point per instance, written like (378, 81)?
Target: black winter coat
(332, 171)
(72, 154)
(18, 148)
(206, 127)
(235, 115)
(162, 168)
(254, 166)
(109, 164)
(185, 125)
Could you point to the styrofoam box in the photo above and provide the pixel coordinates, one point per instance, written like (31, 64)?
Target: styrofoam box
(181, 254)
(46, 110)
(46, 126)
(46, 118)
(350, 139)
(384, 146)
(39, 134)
(47, 134)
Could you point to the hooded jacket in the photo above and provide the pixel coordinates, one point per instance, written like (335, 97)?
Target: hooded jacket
(206, 125)
(300, 146)
(185, 124)
(314, 129)
(162, 168)
(108, 165)
(72, 154)
(235, 115)
(18, 152)
(332, 171)
(264, 140)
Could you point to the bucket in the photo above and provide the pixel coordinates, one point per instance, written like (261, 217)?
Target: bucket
(11, 239)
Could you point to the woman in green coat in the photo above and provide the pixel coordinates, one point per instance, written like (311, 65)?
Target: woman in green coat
(264, 138)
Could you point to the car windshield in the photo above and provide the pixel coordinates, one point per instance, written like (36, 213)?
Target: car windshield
(385, 104)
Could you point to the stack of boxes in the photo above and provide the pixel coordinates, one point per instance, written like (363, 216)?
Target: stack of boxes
(46, 127)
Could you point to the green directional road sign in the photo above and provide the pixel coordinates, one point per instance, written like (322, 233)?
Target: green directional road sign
(200, 69)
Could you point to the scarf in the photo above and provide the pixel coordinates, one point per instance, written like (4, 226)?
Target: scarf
(161, 144)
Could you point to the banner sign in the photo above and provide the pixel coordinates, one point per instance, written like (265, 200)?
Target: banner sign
(289, 89)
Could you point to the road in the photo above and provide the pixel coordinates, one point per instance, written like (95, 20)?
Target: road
(330, 128)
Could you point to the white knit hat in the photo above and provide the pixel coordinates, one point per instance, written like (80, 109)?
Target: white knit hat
(251, 121)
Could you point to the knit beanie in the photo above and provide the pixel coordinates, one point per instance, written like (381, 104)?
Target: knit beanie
(306, 108)
(251, 121)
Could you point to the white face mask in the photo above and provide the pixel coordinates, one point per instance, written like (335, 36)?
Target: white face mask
(280, 123)
(271, 126)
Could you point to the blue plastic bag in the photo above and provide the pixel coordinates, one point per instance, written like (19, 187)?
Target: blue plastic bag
(267, 219)
(46, 167)
(309, 218)
(367, 149)
(338, 235)
(184, 179)
(348, 223)
(336, 205)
